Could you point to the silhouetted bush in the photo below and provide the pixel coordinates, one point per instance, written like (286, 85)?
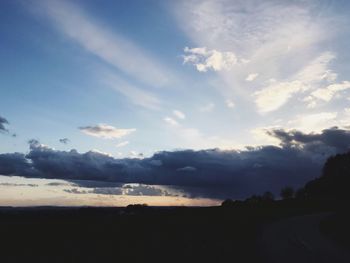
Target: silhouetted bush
(227, 203)
(268, 197)
(136, 207)
(287, 193)
(254, 199)
(301, 194)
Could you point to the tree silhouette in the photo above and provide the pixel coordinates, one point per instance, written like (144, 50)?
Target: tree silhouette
(268, 196)
(287, 193)
(301, 193)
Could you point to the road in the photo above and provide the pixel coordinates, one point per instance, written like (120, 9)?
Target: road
(299, 240)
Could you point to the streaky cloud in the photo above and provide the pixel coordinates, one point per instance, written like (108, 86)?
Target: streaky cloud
(111, 47)
(105, 131)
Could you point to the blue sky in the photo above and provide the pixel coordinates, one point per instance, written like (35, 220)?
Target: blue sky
(131, 78)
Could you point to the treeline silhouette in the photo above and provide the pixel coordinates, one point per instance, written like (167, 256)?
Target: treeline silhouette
(332, 185)
(330, 192)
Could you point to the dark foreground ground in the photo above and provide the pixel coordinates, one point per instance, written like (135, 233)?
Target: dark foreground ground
(146, 234)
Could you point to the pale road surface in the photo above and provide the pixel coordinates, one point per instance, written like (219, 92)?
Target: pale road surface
(299, 240)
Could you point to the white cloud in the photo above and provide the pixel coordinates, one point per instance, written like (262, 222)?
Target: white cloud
(261, 137)
(252, 76)
(205, 60)
(230, 104)
(179, 114)
(208, 107)
(327, 93)
(276, 94)
(171, 121)
(105, 131)
(122, 144)
(314, 122)
(101, 152)
(112, 48)
(311, 102)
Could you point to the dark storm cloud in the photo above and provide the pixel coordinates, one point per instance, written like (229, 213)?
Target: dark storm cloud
(207, 173)
(33, 143)
(3, 122)
(126, 189)
(15, 164)
(337, 139)
(75, 191)
(64, 140)
(14, 184)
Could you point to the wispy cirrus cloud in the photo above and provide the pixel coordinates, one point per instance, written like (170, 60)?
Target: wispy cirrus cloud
(111, 47)
(312, 76)
(208, 107)
(283, 41)
(136, 95)
(179, 114)
(105, 131)
(122, 144)
(171, 121)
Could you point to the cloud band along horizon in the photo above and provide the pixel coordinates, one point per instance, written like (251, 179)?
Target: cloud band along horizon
(209, 173)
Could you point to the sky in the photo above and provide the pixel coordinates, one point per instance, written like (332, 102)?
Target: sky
(169, 102)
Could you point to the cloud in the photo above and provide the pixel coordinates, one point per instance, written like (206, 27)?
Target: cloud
(186, 169)
(146, 190)
(252, 76)
(207, 108)
(60, 184)
(310, 77)
(326, 94)
(205, 60)
(111, 47)
(3, 122)
(15, 184)
(171, 121)
(281, 40)
(105, 131)
(275, 95)
(207, 173)
(136, 155)
(179, 114)
(16, 164)
(230, 104)
(314, 121)
(127, 189)
(122, 144)
(75, 191)
(335, 139)
(136, 95)
(64, 140)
